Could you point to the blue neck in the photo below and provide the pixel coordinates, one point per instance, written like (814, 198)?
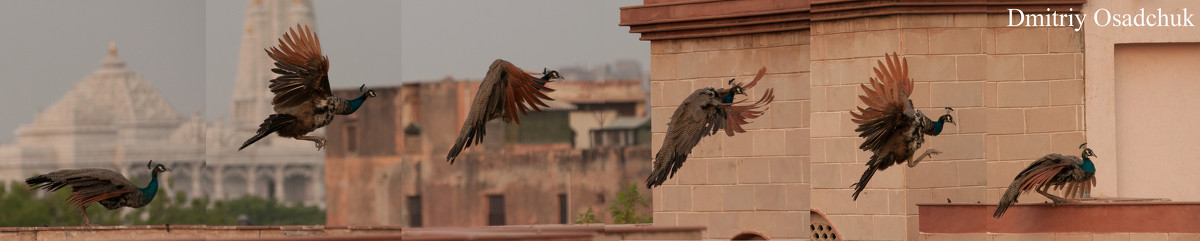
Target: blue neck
(1087, 165)
(356, 102)
(151, 189)
(937, 126)
(728, 98)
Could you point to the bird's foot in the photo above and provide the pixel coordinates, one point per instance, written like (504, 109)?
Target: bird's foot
(928, 153)
(320, 143)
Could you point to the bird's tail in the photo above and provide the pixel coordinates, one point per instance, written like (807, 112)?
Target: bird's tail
(270, 125)
(663, 171)
(1010, 197)
(862, 181)
(44, 182)
(469, 135)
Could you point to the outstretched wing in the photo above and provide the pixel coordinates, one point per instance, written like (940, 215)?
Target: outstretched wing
(759, 76)
(694, 119)
(887, 104)
(505, 91)
(732, 116)
(522, 91)
(303, 71)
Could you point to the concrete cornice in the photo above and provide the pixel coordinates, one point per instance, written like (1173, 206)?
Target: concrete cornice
(681, 19)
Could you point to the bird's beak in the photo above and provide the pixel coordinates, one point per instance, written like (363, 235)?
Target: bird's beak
(166, 169)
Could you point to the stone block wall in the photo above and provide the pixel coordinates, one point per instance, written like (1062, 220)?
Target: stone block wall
(1017, 95)
(753, 182)
(1034, 97)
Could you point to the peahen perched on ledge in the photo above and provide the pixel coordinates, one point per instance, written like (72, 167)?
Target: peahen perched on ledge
(1078, 175)
(701, 114)
(107, 187)
(506, 92)
(303, 101)
(893, 129)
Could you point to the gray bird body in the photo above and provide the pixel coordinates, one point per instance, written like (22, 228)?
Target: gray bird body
(505, 93)
(701, 114)
(91, 183)
(106, 187)
(689, 123)
(1050, 171)
(893, 130)
(303, 101)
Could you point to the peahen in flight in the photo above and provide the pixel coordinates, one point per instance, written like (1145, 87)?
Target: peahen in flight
(303, 101)
(701, 114)
(1077, 175)
(893, 129)
(505, 93)
(109, 188)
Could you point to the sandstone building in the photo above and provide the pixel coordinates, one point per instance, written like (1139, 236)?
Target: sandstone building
(1019, 93)
(388, 166)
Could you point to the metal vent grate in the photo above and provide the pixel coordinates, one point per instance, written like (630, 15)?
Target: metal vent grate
(821, 228)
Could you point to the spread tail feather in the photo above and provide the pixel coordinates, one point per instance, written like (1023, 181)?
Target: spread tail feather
(270, 125)
(1010, 197)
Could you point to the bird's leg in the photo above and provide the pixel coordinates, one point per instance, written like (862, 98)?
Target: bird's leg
(927, 153)
(319, 140)
(1054, 198)
(86, 221)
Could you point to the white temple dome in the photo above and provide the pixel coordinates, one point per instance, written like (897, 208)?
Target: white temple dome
(110, 95)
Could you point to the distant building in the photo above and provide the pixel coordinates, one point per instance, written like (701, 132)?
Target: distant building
(1018, 93)
(389, 167)
(115, 120)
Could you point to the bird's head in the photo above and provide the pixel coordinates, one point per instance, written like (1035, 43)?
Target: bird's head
(737, 89)
(947, 117)
(157, 168)
(368, 93)
(1087, 152)
(550, 74)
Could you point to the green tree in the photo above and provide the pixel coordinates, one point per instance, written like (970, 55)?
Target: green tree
(625, 209)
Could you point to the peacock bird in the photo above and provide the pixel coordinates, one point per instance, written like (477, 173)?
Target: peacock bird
(893, 129)
(505, 91)
(701, 114)
(1077, 175)
(109, 188)
(303, 101)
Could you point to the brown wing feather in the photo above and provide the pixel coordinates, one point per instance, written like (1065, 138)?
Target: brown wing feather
(303, 70)
(737, 115)
(759, 76)
(522, 92)
(886, 101)
(504, 91)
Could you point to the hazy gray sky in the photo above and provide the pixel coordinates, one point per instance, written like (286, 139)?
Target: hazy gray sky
(387, 42)
(48, 46)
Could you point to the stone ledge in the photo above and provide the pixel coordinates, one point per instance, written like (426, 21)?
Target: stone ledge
(1089, 216)
(318, 232)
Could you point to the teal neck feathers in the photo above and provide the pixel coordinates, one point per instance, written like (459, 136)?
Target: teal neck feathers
(151, 189)
(356, 102)
(1087, 165)
(938, 125)
(728, 97)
